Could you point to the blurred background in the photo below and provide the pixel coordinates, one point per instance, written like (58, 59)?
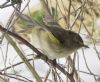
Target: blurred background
(80, 16)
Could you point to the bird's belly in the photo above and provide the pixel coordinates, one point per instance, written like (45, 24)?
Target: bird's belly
(51, 54)
(54, 51)
(50, 49)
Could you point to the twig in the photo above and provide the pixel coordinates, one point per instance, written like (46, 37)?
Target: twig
(14, 65)
(10, 76)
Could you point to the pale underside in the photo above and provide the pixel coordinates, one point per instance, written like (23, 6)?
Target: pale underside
(51, 49)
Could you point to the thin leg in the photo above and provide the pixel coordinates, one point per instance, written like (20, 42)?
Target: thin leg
(54, 62)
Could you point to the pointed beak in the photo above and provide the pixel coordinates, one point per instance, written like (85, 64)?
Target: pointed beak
(85, 46)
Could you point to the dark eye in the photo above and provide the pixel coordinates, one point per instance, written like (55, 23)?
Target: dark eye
(77, 42)
(62, 41)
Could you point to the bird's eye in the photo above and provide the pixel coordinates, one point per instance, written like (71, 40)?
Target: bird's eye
(77, 42)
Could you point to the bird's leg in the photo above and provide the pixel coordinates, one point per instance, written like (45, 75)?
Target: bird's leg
(45, 58)
(54, 63)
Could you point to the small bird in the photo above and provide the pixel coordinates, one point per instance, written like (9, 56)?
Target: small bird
(56, 42)
(49, 37)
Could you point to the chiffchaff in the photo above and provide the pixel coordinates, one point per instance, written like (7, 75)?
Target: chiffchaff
(56, 42)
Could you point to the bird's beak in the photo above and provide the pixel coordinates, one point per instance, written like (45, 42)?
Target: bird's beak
(85, 46)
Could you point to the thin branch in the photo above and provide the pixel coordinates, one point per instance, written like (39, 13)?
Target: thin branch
(14, 65)
(10, 76)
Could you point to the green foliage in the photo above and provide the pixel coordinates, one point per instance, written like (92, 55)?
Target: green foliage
(38, 15)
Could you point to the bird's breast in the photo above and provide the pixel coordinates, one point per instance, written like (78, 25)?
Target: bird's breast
(49, 45)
